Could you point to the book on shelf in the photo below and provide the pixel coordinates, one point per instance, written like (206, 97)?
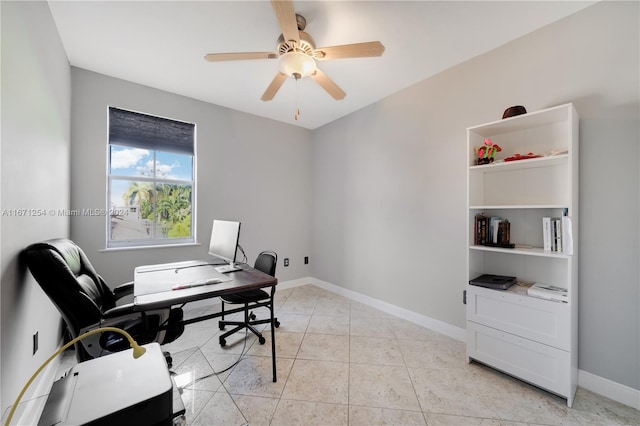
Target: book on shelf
(567, 235)
(557, 234)
(492, 231)
(549, 292)
(479, 229)
(546, 233)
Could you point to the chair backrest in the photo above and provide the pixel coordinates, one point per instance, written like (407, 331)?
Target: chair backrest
(267, 262)
(65, 274)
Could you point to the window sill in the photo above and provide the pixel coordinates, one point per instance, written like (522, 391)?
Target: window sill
(158, 246)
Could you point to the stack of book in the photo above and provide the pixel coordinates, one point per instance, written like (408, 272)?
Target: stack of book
(492, 231)
(549, 292)
(557, 235)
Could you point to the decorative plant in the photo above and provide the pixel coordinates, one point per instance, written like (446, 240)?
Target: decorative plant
(487, 151)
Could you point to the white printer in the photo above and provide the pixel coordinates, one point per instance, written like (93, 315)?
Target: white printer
(115, 389)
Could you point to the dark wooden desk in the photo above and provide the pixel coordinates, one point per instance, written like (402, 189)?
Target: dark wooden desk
(153, 289)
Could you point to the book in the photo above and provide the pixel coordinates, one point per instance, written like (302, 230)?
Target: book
(480, 229)
(504, 232)
(549, 292)
(494, 222)
(567, 235)
(556, 243)
(546, 233)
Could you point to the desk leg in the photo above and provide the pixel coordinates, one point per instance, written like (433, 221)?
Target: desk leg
(273, 335)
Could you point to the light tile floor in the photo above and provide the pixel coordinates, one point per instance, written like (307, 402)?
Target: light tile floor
(340, 362)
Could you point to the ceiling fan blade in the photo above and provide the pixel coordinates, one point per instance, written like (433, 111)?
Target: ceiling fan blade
(327, 84)
(356, 50)
(287, 19)
(273, 88)
(217, 57)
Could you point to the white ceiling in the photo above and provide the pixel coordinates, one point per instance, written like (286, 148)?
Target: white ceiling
(162, 44)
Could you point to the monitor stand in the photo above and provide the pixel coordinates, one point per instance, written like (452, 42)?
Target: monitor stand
(225, 269)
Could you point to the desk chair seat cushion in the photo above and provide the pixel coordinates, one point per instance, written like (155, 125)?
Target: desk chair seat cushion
(245, 296)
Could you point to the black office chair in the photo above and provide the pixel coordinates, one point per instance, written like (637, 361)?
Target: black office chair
(265, 262)
(85, 302)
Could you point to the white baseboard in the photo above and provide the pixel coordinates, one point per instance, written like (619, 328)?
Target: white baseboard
(283, 285)
(605, 387)
(32, 403)
(612, 390)
(430, 323)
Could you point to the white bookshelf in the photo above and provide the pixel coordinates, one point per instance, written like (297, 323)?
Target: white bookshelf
(530, 338)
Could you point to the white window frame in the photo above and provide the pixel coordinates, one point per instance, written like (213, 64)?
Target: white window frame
(155, 180)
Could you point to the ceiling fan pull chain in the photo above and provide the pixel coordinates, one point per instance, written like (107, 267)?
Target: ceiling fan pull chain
(297, 114)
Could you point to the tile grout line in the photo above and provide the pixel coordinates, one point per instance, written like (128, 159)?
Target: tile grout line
(413, 385)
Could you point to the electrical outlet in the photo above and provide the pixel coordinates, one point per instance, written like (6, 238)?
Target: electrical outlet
(35, 343)
(286, 261)
(306, 260)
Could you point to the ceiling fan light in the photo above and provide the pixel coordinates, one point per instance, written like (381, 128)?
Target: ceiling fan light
(292, 63)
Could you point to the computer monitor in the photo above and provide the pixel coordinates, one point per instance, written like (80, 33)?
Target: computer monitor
(224, 243)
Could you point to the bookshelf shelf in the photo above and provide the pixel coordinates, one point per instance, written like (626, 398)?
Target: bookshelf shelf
(519, 206)
(502, 166)
(524, 251)
(528, 337)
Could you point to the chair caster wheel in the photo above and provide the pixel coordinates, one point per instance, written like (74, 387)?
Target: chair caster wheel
(252, 316)
(221, 327)
(261, 340)
(168, 359)
(223, 342)
(277, 324)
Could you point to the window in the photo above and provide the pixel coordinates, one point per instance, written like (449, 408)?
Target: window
(151, 180)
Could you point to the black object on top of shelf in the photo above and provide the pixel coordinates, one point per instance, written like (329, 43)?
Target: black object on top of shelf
(513, 111)
(496, 282)
(501, 245)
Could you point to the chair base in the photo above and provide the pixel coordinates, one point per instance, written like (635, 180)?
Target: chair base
(240, 325)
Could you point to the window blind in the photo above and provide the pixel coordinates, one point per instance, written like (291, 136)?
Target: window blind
(150, 132)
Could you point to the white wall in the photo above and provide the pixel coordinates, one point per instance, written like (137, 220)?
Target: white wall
(249, 169)
(35, 143)
(389, 180)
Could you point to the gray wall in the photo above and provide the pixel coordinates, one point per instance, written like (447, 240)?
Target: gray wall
(248, 168)
(389, 180)
(35, 141)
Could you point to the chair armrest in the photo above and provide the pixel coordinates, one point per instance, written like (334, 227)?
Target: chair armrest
(122, 312)
(123, 290)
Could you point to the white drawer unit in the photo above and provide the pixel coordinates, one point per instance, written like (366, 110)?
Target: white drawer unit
(533, 362)
(535, 319)
(534, 175)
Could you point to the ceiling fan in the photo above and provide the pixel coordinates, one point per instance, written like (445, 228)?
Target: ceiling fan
(297, 53)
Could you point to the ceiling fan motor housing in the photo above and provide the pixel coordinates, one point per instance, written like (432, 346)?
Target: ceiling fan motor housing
(306, 45)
